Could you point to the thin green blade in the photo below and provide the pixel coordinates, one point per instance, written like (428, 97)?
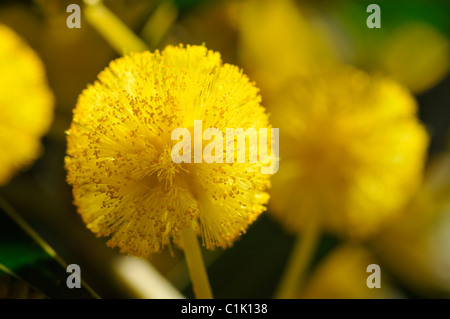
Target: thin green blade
(25, 255)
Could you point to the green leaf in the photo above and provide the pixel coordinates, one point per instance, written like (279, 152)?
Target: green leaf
(25, 255)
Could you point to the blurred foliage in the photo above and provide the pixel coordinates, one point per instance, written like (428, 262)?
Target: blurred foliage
(26, 256)
(13, 288)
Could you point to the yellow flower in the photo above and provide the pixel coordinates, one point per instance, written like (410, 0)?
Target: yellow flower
(26, 104)
(352, 151)
(416, 248)
(417, 55)
(125, 183)
(278, 41)
(342, 274)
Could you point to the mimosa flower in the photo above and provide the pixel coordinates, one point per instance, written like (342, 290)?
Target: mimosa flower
(125, 183)
(278, 40)
(417, 55)
(26, 104)
(357, 151)
(416, 248)
(342, 274)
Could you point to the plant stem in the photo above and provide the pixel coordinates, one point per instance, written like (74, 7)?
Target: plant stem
(197, 270)
(299, 260)
(159, 23)
(118, 35)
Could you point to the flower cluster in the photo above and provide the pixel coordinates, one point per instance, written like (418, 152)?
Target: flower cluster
(359, 151)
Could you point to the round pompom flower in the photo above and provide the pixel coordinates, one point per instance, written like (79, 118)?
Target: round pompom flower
(26, 104)
(125, 183)
(356, 156)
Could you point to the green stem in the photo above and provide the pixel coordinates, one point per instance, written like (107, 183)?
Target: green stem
(159, 23)
(118, 35)
(299, 261)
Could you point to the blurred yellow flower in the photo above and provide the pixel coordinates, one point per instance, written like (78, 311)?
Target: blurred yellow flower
(26, 104)
(343, 275)
(352, 151)
(416, 248)
(417, 55)
(278, 41)
(125, 183)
